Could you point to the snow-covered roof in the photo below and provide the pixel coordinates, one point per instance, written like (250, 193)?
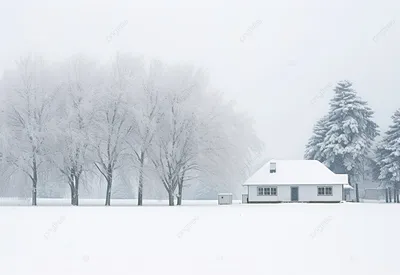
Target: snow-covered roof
(299, 172)
(347, 186)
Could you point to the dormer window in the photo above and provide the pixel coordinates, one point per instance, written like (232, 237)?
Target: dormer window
(272, 167)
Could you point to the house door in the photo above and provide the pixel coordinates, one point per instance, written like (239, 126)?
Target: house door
(294, 191)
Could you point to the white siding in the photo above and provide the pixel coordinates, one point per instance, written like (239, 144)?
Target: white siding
(310, 193)
(307, 193)
(283, 194)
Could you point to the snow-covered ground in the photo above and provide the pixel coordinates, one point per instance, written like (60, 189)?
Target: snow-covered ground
(201, 238)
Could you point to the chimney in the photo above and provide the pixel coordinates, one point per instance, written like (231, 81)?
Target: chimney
(272, 167)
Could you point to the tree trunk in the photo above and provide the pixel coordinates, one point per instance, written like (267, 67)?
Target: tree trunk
(394, 195)
(398, 196)
(140, 191)
(76, 193)
(108, 192)
(387, 195)
(171, 198)
(357, 194)
(75, 199)
(179, 199)
(390, 195)
(109, 183)
(180, 189)
(71, 186)
(34, 182)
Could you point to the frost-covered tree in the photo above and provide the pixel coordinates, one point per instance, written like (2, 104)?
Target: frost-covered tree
(315, 143)
(173, 146)
(179, 134)
(6, 169)
(75, 119)
(111, 130)
(111, 125)
(166, 156)
(187, 99)
(388, 155)
(142, 133)
(230, 149)
(351, 132)
(202, 143)
(31, 92)
(145, 120)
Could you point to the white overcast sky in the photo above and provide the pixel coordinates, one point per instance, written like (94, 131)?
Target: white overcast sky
(297, 48)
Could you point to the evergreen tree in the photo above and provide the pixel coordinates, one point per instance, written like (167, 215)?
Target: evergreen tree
(388, 154)
(372, 170)
(351, 132)
(314, 145)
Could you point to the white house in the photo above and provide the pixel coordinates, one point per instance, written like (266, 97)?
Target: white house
(296, 181)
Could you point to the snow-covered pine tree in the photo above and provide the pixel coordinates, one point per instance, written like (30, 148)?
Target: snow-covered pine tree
(314, 145)
(351, 132)
(388, 155)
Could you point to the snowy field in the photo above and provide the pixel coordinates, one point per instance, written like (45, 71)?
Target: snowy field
(98, 202)
(200, 238)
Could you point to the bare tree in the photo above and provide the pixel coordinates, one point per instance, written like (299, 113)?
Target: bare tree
(173, 150)
(198, 132)
(112, 125)
(228, 148)
(166, 118)
(30, 113)
(146, 119)
(112, 131)
(74, 158)
(189, 156)
(74, 124)
(142, 133)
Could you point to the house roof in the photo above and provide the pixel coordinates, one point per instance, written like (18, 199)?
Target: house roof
(348, 186)
(299, 172)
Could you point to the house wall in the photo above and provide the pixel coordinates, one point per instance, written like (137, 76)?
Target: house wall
(283, 194)
(310, 193)
(307, 193)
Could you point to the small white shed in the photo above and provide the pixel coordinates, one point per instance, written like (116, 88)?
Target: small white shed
(225, 198)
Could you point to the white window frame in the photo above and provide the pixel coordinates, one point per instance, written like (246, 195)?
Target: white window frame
(267, 191)
(324, 190)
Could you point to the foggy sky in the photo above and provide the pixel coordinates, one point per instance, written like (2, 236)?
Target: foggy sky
(294, 49)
